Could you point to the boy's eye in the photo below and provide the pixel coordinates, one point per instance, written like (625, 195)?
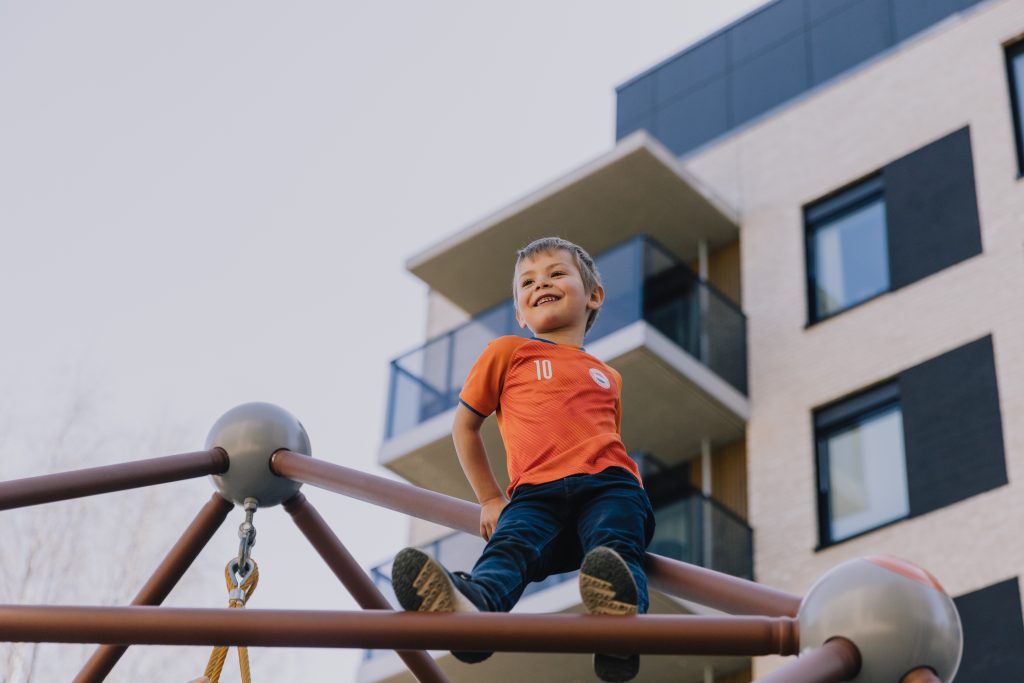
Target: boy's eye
(527, 283)
(557, 272)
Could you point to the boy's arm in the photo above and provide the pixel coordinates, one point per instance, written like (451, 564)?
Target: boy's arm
(473, 457)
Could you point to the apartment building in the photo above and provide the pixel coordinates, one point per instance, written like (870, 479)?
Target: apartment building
(811, 230)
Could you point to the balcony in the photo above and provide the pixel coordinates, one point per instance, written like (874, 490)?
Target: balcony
(690, 527)
(638, 187)
(679, 344)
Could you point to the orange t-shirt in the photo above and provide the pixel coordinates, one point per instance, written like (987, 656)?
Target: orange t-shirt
(559, 409)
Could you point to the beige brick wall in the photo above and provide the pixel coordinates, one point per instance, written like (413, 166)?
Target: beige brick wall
(949, 77)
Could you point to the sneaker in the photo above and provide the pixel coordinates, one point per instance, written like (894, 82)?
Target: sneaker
(422, 585)
(607, 587)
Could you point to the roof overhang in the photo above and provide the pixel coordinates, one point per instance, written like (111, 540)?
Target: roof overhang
(638, 187)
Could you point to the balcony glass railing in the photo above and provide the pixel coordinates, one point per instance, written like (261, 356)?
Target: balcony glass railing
(642, 281)
(693, 528)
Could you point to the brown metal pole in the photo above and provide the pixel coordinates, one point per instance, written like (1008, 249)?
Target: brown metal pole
(715, 589)
(93, 480)
(836, 661)
(166, 576)
(922, 675)
(377, 629)
(448, 511)
(352, 576)
(721, 591)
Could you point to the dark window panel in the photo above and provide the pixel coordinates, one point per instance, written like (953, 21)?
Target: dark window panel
(695, 118)
(820, 9)
(952, 427)
(635, 100)
(931, 209)
(624, 128)
(841, 35)
(767, 27)
(774, 76)
(1015, 77)
(690, 69)
(850, 37)
(993, 634)
(911, 16)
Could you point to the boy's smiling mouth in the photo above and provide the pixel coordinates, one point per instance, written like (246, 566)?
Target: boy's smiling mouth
(547, 298)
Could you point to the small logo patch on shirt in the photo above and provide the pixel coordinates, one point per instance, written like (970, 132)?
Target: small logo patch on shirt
(599, 378)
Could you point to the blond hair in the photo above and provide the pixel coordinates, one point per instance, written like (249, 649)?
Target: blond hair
(584, 263)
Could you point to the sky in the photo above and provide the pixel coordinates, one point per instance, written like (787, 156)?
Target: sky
(205, 204)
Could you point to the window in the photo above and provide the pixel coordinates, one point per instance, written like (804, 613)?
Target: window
(862, 470)
(927, 439)
(917, 216)
(1015, 74)
(847, 249)
(993, 634)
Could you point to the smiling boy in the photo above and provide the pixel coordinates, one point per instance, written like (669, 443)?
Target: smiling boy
(574, 499)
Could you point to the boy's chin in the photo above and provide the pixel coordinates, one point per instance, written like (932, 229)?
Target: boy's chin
(549, 323)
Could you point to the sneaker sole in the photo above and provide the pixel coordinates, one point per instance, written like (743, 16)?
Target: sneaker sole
(607, 587)
(422, 585)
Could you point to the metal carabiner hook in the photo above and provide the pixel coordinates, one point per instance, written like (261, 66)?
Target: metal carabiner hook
(247, 536)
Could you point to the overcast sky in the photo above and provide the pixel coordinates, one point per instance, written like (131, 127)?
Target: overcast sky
(209, 203)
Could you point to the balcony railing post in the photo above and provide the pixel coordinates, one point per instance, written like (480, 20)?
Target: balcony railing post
(389, 421)
(750, 554)
(639, 276)
(449, 381)
(709, 537)
(703, 302)
(697, 504)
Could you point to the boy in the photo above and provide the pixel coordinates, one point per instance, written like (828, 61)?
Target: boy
(575, 494)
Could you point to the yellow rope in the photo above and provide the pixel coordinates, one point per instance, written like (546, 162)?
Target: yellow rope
(220, 653)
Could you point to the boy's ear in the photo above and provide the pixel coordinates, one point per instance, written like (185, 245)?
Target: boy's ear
(519, 318)
(596, 299)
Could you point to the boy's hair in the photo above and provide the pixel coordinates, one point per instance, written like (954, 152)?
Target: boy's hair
(584, 263)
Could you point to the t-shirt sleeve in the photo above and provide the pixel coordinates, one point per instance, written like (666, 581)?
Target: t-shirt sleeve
(483, 386)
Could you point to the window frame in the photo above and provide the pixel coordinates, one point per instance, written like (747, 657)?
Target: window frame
(827, 210)
(836, 417)
(1012, 52)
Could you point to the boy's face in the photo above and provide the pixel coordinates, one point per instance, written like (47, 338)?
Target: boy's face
(550, 296)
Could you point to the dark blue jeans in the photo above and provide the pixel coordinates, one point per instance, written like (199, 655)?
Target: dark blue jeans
(547, 529)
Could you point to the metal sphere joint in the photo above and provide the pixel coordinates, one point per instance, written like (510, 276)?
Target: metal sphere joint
(250, 434)
(897, 614)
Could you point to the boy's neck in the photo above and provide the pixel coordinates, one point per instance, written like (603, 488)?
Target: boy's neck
(564, 337)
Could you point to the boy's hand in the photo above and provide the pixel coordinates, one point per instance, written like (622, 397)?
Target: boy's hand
(489, 512)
